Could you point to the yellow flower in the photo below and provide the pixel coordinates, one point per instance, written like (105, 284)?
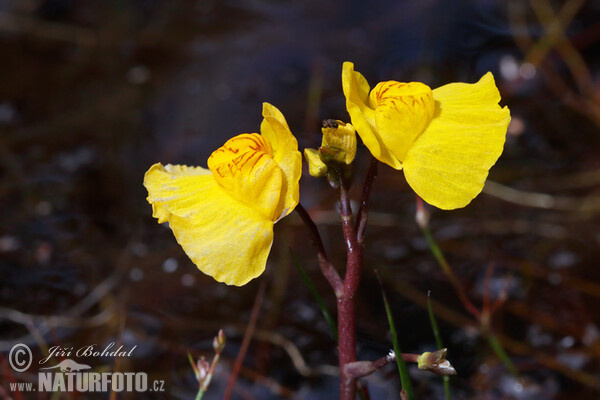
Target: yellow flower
(338, 146)
(339, 142)
(223, 216)
(445, 139)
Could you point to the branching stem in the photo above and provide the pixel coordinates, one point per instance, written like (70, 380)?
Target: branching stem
(327, 267)
(361, 217)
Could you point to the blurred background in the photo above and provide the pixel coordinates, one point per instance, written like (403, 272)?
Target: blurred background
(92, 93)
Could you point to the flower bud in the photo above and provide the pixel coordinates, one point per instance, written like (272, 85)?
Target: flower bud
(436, 362)
(339, 142)
(422, 215)
(358, 369)
(219, 342)
(316, 167)
(203, 367)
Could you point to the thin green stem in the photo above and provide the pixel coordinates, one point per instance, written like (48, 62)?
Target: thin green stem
(439, 256)
(501, 353)
(439, 342)
(246, 341)
(402, 369)
(483, 318)
(315, 293)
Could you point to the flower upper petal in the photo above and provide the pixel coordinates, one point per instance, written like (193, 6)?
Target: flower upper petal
(275, 130)
(245, 168)
(356, 91)
(224, 237)
(402, 111)
(449, 162)
(482, 93)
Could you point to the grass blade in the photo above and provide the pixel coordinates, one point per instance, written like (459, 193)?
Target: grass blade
(501, 354)
(492, 340)
(315, 294)
(438, 341)
(402, 369)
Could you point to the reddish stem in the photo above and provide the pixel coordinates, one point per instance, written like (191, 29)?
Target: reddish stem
(346, 345)
(361, 217)
(345, 291)
(327, 267)
(346, 303)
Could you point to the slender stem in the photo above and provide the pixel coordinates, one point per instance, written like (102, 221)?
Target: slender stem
(485, 307)
(449, 273)
(501, 353)
(360, 369)
(346, 345)
(211, 372)
(353, 248)
(246, 341)
(346, 303)
(361, 217)
(438, 341)
(483, 316)
(317, 296)
(327, 267)
(439, 256)
(402, 369)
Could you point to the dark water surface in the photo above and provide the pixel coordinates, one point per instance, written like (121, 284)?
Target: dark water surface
(93, 93)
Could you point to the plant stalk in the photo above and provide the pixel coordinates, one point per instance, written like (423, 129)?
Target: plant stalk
(327, 267)
(361, 216)
(346, 302)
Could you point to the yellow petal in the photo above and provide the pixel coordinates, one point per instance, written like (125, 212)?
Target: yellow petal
(244, 167)
(275, 130)
(481, 93)
(339, 141)
(356, 91)
(449, 162)
(225, 238)
(316, 167)
(402, 111)
(184, 175)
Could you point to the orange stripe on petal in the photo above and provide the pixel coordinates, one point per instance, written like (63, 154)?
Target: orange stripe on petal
(245, 168)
